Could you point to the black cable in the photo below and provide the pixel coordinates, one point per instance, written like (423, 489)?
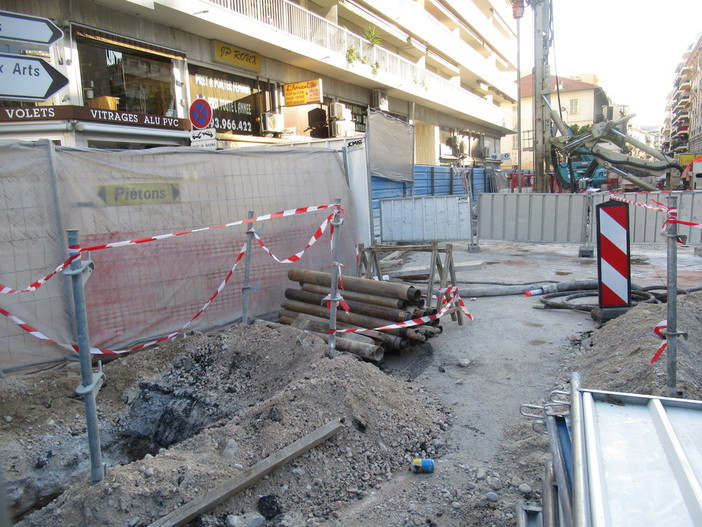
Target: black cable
(637, 296)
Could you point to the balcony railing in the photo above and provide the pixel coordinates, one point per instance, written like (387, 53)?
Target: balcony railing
(293, 20)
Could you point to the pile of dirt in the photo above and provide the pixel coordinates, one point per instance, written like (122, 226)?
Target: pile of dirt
(179, 420)
(203, 409)
(618, 356)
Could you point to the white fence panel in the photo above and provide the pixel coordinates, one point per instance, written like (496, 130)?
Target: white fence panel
(423, 219)
(531, 217)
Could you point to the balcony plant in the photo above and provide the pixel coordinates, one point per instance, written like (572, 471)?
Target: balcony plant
(372, 35)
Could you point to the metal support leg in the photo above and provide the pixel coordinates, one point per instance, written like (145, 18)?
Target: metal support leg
(334, 294)
(672, 283)
(80, 271)
(246, 289)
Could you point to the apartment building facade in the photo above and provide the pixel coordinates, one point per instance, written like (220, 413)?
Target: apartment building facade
(272, 71)
(582, 102)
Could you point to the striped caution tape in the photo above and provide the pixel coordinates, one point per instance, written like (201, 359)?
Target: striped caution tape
(98, 351)
(4, 290)
(298, 255)
(672, 212)
(36, 285)
(447, 303)
(659, 330)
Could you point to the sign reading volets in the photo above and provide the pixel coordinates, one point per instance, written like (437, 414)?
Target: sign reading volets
(233, 56)
(305, 92)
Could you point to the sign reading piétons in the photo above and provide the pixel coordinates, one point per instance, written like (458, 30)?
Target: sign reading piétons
(305, 92)
(139, 193)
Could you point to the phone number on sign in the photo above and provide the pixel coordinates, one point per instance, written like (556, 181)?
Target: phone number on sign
(232, 124)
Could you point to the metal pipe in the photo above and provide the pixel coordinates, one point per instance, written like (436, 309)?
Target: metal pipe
(246, 288)
(392, 342)
(359, 297)
(334, 295)
(581, 511)
(672, 301)
(363, 321)
(549, 498)
(317, 299)
(564, 492)
(361, 285)
(90, 383)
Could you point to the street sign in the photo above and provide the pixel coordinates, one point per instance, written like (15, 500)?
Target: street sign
(28, 78)
(203, 135)
(207, 144)
(139, 193)
(200, 113)
(27, 28)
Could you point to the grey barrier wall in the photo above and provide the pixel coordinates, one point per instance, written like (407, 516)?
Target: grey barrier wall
(423, 219)
(528, 217)
(140, 292)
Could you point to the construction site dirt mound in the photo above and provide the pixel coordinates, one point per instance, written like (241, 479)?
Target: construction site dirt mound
(178, 420)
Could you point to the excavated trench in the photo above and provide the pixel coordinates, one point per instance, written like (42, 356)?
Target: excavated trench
(159, 413)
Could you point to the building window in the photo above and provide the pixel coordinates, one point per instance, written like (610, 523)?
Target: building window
(515, 142)
(237, 102)
(573, 107)
(116, 78)
(528, 140)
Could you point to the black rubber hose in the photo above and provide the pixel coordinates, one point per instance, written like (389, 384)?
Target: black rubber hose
(638, 296)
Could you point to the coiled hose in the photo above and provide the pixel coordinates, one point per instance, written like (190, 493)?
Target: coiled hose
(560, 295)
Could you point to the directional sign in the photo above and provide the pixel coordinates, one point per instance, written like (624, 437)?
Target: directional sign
(200, 113)
(27, 28)
(28, 78)
(139, 193)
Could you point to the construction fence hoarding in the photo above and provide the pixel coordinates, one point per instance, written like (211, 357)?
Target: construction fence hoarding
(139, 291)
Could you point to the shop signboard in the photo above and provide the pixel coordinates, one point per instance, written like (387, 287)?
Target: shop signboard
(305, 92)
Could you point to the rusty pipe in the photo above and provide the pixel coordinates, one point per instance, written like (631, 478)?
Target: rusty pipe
(398, 315)
(392, 342)
(362, 285)
(369, 352)
(356, 319)
(359, 297)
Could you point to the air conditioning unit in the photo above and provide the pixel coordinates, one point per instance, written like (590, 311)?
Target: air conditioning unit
(464, 147)
(272, 122)
(336, 110)
(342, 128)
(380, 100)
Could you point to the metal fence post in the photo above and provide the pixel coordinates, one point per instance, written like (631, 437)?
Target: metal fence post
(91, 382)
(672, 283)
(246, 289)
(334, 294)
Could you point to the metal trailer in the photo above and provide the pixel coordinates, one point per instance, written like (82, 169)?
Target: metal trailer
(618, 459)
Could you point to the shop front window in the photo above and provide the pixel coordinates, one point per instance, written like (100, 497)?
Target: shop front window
(124, 79)
(237, 102)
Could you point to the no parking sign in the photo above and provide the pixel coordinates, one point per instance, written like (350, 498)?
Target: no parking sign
(200, 114)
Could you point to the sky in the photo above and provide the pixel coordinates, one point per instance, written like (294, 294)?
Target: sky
(633, 46)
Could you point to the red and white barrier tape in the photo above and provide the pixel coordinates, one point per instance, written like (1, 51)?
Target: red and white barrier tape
(297, 256)
(74, 249)
(672, 212)
(36, 285)
(659, 331)
(447, 304)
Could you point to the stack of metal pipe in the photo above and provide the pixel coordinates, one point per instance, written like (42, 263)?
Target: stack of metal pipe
(372, 304)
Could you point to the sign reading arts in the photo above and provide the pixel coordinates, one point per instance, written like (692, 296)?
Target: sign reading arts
(233, 56)
(305, 92)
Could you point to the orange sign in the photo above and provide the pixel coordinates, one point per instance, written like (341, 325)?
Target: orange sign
(305, 92)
